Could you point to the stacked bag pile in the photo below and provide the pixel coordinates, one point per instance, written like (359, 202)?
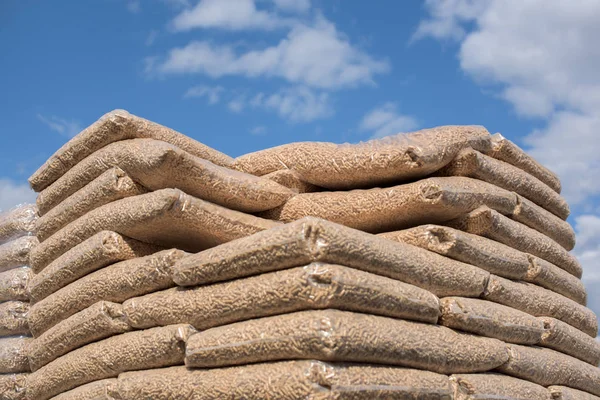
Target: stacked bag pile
(16, 242)
(429, 265)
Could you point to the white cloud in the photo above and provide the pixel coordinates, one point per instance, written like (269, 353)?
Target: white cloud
(134, 6)
(228, 14)
(316, 55)
(237, 105)
(213, 94)
(12, 194)
(297, 104)
(544, 56)
(588, 253)
(258, 130)
(151, 38)
(295, 6)
(62, 126)
(385, 120)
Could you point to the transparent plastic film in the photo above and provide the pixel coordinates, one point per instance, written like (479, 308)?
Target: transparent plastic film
(18, 221)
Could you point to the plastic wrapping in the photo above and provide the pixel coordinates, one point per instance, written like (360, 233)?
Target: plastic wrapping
(159, 165)
(18, 221)
(332, 335)
(311, 239)
(497, 387)
(315, 286)
(13, 386)
(100, 250)
(488, 319)
(473, 164)
(116, 283)
(152, 348)
(548, 367)
(566, 393)
(112, 185)
(566, 339)
(16, 252)
(13, 354)
(548, 275)
(112, 127)
(97, 390)
(541, 302)
(493, 225)
(99, 321)
(505, 150)
(168, 218)
(376, 162)
(291, 179)
(13, 318)
(13, 284)
(290, 380)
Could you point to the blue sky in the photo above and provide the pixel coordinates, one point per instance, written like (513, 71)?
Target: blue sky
(241, 75)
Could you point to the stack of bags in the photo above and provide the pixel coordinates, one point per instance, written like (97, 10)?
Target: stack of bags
(16, 242)
(431, 265)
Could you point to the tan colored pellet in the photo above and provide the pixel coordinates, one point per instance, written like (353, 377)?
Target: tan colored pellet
(13, 386)
(566, 393)
(291, 179)
(566, 339)
(13, 284)
(13, 354)
(497, 387)
(13, 318)
(16, 252)
(18, 221)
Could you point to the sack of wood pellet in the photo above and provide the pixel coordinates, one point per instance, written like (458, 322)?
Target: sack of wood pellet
(488, 319)
(18, 221)
(99, 251)
(97, 390)
(541, 302)
(116, 283)
(16, 252)
(431, 200)
(567, 393)
(505, 150)
(13, 318)
(13, 284)
(376, 162)
(112, 127)
(566, 339)
(315, 286)
(332, 335)
(110, 186)
(548, 367)
(291, 179)
(159, 165)
(493, 225)
(152, 348)
(13, 354)
(13, 386)
(311, 240)
(492, 256)
(99, 321)
(495, 386)
(168, 218)
(471, 163)
(290, 380)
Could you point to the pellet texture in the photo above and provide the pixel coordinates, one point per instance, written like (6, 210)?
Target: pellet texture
(99, 321)
(493, 225)
(13, 386)
(566, 393)
(99, 251)
(13, 354)
(548, 275)
(113, 184)
(13, 284)
(112, 127)
(368, 164)
(548, 367)
(292, 179)
(505, 150)
(158, 165)
(566, 339)
(16, 252)
(311, 239)
(315, 286)
(290, 380)
(496, 387)
(167, 217)
(541, 302)
(116, 283)
(488, 319)
(332, 335)
(13, 318)
(147, 349)
(18, 221)
(474, 164)
(97, 390)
